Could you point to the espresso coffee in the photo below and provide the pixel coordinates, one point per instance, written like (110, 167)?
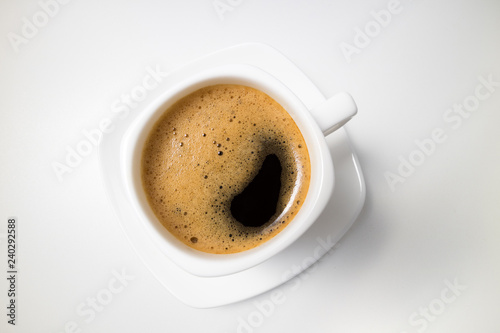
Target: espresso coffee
(225, 169)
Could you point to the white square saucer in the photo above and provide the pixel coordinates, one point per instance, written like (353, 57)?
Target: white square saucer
(343, 209)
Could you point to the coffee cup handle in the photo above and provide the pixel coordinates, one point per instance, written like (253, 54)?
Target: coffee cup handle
(335, 112)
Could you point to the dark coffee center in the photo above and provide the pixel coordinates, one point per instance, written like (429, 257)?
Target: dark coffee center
(256, 204)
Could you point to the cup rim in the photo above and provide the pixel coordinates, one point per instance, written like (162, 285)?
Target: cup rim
(320, 189)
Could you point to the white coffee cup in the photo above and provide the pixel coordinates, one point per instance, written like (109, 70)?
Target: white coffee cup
(314, 125)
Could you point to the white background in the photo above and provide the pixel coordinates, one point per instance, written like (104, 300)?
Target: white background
(438, 227)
